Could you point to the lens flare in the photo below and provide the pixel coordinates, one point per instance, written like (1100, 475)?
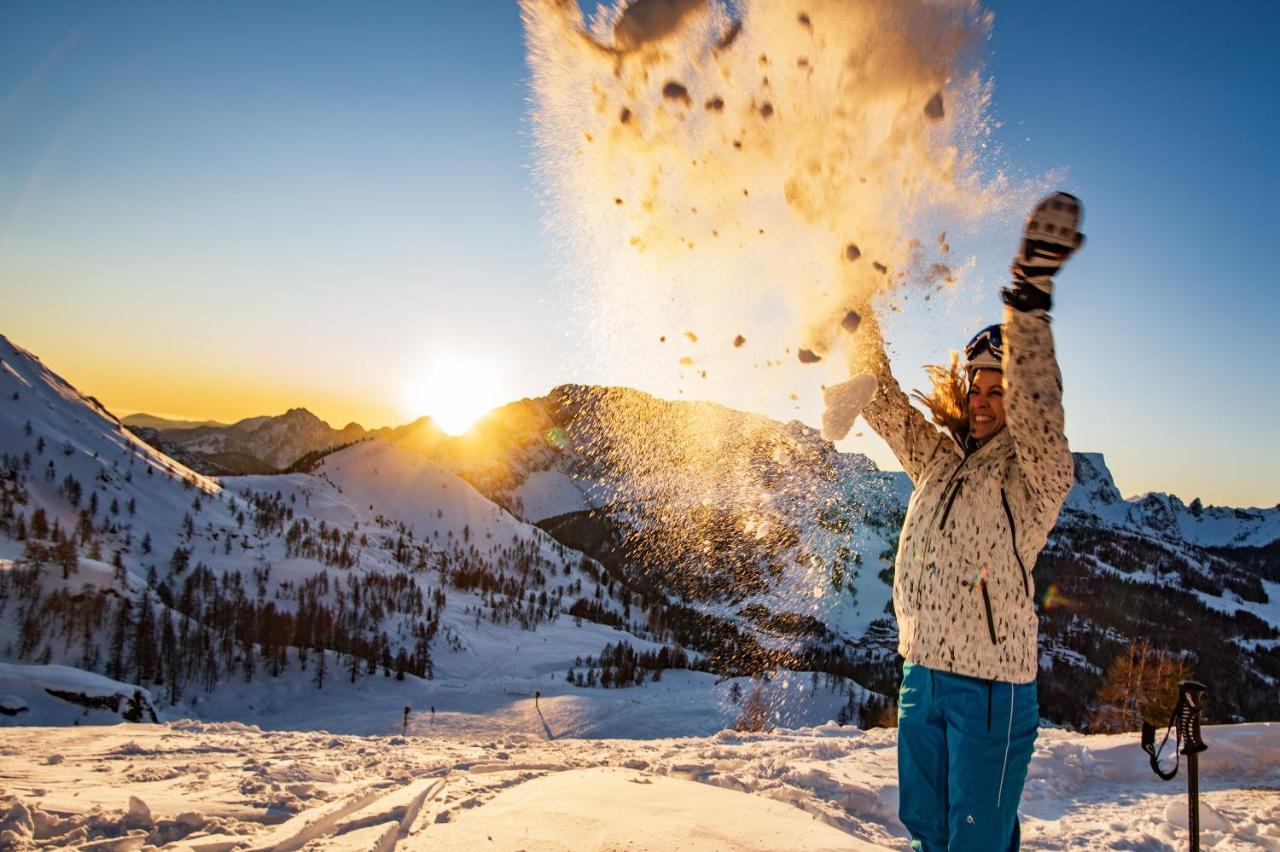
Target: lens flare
(1054, 599)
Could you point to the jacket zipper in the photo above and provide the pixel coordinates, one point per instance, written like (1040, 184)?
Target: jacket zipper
(986, 604)
(1013, 534)
(928, 541)
(955, 492)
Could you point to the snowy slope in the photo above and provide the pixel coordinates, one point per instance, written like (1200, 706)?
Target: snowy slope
(485, 583)
(546, 494)
(760, 525)
(59, 434)
(222, 786)
(406, 486)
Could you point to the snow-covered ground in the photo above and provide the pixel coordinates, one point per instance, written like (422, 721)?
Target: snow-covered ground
(500, 751)
(448, 785)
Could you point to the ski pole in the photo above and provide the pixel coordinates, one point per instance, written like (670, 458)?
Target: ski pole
(1185, 725)
(1191, 699)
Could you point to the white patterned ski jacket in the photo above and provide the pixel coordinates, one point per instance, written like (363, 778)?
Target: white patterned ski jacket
(962, 588)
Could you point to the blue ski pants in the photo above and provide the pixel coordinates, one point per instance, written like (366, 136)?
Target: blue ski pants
(964, 745)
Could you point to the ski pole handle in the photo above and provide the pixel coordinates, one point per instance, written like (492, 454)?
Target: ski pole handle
(1191, 697)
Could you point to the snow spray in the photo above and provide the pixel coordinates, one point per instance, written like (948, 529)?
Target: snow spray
(727, 185)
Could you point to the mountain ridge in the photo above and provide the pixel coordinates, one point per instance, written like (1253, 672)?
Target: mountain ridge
(751, 545)
(191, 441)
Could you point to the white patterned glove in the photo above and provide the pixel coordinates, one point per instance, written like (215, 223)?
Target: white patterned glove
(1052, 235)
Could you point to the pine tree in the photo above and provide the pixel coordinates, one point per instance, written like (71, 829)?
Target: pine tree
(171, 660)
(180, 559)
(755, 715)
(1140, 684)
(249, 661)
(29, 632)
(144, 642)
(133, 712)
(35, 554)
(320, 667)
(353, 665)
(39, 524)
(66, 557)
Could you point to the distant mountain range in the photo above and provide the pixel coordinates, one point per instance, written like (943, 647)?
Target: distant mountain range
(751, 545)
(150, 421)
(266, 444)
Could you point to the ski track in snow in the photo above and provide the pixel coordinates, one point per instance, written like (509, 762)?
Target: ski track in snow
(221, 786)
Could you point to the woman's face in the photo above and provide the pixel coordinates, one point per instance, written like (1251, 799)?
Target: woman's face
(986, 404)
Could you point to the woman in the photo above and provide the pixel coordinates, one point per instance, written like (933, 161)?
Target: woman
(987, 493)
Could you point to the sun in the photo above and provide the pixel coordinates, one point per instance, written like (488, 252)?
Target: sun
(455, 391)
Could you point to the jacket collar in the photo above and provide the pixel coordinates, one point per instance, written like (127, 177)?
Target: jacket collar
(970, 448)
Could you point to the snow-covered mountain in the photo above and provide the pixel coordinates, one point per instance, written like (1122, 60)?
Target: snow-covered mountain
(1095, 500)
(510, 557)
(736, 518)
(116, 559)
(633, 480)
(271, 444)
(252, 445)
(1201, 584)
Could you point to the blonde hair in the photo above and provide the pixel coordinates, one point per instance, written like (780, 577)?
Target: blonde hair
(948, 401)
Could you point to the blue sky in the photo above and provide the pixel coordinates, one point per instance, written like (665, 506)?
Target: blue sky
(217, 210)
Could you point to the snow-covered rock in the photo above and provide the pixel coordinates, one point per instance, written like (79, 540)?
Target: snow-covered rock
(62, 695)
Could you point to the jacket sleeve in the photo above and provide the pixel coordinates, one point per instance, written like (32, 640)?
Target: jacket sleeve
(1034, 418)
(902, 426)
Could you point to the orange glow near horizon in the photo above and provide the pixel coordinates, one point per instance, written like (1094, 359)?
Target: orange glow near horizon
(452, 387)
(229, 404)
(128, 378)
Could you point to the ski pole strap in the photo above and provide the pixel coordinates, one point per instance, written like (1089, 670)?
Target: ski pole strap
(1149, 746)
(1184, 724)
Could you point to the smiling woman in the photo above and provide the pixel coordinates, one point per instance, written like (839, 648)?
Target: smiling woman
(455, 390)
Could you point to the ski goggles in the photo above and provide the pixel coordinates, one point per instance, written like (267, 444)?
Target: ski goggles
(986, 341)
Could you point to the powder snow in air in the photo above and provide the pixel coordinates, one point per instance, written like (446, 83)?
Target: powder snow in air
(735, 190)
(760, 170)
